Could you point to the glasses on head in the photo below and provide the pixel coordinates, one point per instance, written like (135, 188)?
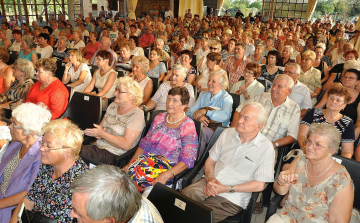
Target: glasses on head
(213, 48)
(350, 78)
(316, 145)
(48, 148)
(15, 126)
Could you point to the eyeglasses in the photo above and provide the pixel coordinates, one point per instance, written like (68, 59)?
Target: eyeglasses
(213, 48)
(15, 126)
(46, 147)
(350, 78)
(248, 72)
(288, 72)
(100, 58)
(121, 92)
(317, 146)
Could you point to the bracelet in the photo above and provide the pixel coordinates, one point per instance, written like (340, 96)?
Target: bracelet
(281, 185)
(173, 174)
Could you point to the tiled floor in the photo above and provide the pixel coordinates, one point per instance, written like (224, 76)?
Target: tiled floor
(259, 218)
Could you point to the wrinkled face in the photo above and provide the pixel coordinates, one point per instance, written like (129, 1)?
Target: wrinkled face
(174, 105)
(350, 56)
(185, 59)
(286, 52)
(335, 102)
(317, 147)
(124, 53)
(279, 90)
(319, 52)
(154, 56)
(214, 85)
(306, 61)
(247, 122)
(349, 79)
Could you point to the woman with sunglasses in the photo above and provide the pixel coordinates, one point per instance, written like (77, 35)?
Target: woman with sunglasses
(215, 47)
(21, 160)
(60, 165)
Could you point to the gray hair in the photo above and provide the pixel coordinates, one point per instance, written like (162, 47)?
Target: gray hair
(66, 40)
(183, 70)
(106, 40)
(298, 68)
(25, 66)
(290, 49)
(28, 41)
(32, 122)
(160, 40)
(328, 131)
(223, 80)
(289, 80)
(262, 114)
(106, 186)
(351, 64)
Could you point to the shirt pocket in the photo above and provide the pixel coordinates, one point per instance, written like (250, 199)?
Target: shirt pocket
(244, 166)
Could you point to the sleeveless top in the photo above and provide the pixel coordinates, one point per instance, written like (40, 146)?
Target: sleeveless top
(308, 203)
(27, 56)
(101, 81)
(321, 69)
(351, 109)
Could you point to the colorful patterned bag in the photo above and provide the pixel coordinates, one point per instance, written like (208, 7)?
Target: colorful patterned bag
(148, 167)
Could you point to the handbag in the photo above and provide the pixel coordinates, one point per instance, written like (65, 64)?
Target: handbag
(212, 124)
(146, 168)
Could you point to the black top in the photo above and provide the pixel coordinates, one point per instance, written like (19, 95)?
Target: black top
(337, 69)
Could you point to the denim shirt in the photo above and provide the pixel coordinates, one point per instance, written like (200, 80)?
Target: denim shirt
(221, 100)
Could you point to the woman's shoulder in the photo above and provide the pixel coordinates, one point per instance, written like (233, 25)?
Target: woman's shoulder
(347, 120)
(84, 66)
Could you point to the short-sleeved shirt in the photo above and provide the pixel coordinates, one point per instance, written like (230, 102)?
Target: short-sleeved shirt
(238, 163)
(45, 52)
(162, 93)
(74, 76)
(90, 51)
(235, 74)
(345, 125)
(53, 199)
(312, 79)
(116, 125)
(191, 71)
(147, 213)
(121, 66)
(157, 70)
(60, 55)
(301, 95)
(176, 144)
(253, 89)
(283, 120)
(270, 77)
(79, 45)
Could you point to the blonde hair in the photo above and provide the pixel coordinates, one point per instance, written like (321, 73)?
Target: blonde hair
(67, 133)
(77, 54)
(142, 61)
(216, 44)
(26, 66)
(79, 33)
(290, 49)
(133, 87)
(309, 53)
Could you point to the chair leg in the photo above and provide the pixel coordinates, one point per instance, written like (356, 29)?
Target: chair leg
(266, 195)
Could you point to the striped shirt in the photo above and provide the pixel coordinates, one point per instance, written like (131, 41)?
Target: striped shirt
(283, 120)
(235, 74)
(147, 213)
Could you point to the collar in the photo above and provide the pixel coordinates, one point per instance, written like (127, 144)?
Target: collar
(256, 141)
(215, 96)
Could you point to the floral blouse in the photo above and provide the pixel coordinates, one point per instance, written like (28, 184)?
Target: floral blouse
(312, 79)
(53, 199)
(156, 71)
(270, 77)
(308, 203)
(191, 71)
(176, 144)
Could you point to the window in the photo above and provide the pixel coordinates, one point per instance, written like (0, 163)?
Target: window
(295, 9)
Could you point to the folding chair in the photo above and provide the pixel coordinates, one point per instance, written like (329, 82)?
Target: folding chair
(12, 57)
(156, 84)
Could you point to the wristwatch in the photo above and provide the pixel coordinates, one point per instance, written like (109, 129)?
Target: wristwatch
(232, 189)
(277, 145)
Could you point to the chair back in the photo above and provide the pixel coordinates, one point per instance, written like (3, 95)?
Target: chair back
(60, 69)
(236, 103)
(93, 68)
(199, 131)
(353, 167)
(120, 73)
(84, 110)
(175, 207)
(193, 61)
(156, 84)
(12, 57)
(264, 83)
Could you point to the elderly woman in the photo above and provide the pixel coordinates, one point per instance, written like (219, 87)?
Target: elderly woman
(158, 101)
(6, 71)
(157, 69)
(249, 87)
(328, 193)
(114, 139)
(61, 52)
(48, 89)
(257, 56)
(310, 76)
(76, 72)
(212, 62)
(91, 47)
(19, 88)
(185, 60)
(320, 64)
(104, 77)
(61, 164)
(77, 43)
(172, 135)
(135, 50)
(215, 47)
(286, 52)
(229, 51)
(4, 42)
(27, 52)
(140, 66)
(124, 61)
(21, 160)
(338, 52)
(212, 105)
(16, 45)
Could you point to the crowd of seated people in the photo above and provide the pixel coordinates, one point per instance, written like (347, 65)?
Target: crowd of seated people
(266, 81)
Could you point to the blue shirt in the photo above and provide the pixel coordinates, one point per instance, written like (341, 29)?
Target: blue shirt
(221, 100)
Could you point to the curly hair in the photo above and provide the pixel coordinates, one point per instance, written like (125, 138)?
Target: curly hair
(183, 92)
(142, 61)
(132, 87)
(254, 67)
(341, 91)
(47, 64)
(4, 55)
(176, 48)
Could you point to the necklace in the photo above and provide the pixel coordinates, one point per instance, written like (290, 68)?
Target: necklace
(167, 119)
(316, 177)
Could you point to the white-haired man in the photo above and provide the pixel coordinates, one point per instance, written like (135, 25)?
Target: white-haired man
(240, 162)
(105, 45)
(159, 44)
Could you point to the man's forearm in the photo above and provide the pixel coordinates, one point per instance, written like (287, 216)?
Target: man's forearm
(252, 186)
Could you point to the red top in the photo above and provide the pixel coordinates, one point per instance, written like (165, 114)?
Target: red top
(55, 96)
(90, 51)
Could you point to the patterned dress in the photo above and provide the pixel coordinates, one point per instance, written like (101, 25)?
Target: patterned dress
(53, 199)
(308, 204)
(16, 94)
(312, 79)
(157, 70)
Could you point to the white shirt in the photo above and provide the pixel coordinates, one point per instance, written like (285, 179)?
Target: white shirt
(283, 120)
(79, 45)
(85, 33)
(200, 53)
(301, 95)
(238, 163)
(169, 13)
(250, 49)
(190, 41)
(137, 51)
(45, 52)
(74, 76)
(253, 89)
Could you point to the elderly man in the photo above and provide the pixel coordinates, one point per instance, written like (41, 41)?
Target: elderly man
(105, 45)
(159, 44)
(147, 39)
(300, 92)
(240, 162)
(5, 26)
(106, 33)
(96, 196)
(212, 105)
(235, 65)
